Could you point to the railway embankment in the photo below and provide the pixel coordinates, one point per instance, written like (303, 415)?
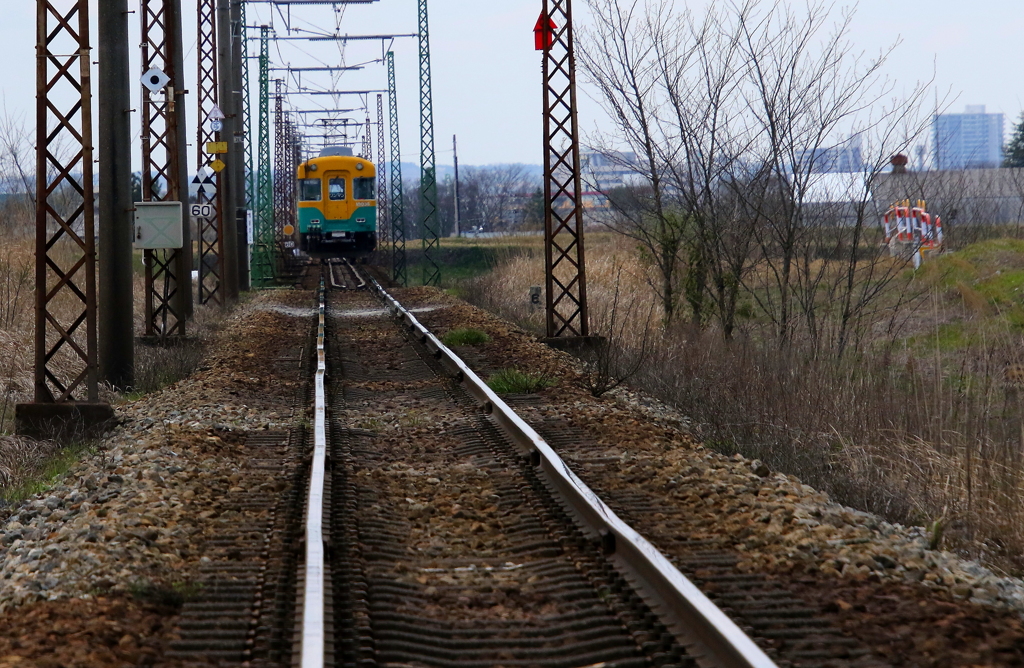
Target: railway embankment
(94, 570)
(125, 532)
(877, 581)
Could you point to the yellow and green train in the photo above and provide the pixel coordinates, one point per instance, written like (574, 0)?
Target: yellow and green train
(337, 204)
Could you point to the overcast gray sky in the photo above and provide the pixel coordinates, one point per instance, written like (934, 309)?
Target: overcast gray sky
(486, 75)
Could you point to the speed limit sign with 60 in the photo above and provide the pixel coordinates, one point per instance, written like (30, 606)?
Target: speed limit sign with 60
(202, 210)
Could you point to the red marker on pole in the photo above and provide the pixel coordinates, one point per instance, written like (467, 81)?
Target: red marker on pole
(544, 33)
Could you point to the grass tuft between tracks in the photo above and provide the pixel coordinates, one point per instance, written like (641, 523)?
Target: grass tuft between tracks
(465, 336)
(513, 381)
(172, 596)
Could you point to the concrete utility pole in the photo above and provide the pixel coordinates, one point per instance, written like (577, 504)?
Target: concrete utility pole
(116, 322)
(238, 145)
(455, 157)
(172, 12)
(228, 185)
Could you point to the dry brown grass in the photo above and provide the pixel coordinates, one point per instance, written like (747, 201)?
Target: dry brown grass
(611, 264)
(16, 327)
(157, 366)
(916, 428)
(23, 460)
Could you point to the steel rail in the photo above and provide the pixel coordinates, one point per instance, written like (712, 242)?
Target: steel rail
(314, 595)
(710, 637)
(334, 279)
(356, 273)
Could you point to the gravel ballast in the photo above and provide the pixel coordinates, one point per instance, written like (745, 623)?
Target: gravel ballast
(122, 534)
(877, 581)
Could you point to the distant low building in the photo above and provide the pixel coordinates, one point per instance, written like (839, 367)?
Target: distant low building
(601, 172)
(844, 158)
(966, 197)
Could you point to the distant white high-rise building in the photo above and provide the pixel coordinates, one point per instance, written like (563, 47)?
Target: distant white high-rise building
(971, 140)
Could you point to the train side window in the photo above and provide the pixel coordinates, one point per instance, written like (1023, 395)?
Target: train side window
(336, 189)
(309, 190)
(364, 188)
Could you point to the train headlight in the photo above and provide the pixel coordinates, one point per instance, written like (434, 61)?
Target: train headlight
(359, 165)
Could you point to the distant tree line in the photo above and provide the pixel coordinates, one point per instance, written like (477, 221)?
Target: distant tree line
(494, 198)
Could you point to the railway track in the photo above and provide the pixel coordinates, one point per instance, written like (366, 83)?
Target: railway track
(474, 557)
(796, 632)
(423, 523)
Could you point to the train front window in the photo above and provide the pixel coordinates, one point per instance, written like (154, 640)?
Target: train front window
(309, 190)
(336, 189)
(364, 188)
